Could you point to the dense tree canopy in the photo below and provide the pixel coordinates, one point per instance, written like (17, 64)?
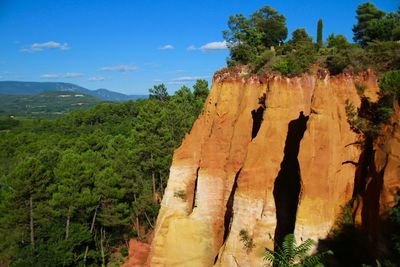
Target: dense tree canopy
(259, 43)
(375, 25)
(248, 38)
(72, 190)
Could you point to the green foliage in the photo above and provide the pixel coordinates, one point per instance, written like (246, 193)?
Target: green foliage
(319, 33)
(286, 66)
(263, 59)
(337, 41)
(371, 116)
(375, 25)
(258, 41)
(271, 25)
(298, 54)
(304, 52)
(292, 255)
(247, 240)
(86, 179)
(46, 105)
(248, 38)
(345, 57)
(7, 123)
(384, 56)
(368, 119)
(300, 37)
(367, 14)
(159, 92)
(389, 84)
(201, 89)
(124, 251)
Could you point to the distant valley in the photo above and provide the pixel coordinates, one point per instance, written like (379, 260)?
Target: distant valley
(52, 99)
(45, 105)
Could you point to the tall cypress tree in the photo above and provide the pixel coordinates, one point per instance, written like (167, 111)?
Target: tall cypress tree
(319, 33)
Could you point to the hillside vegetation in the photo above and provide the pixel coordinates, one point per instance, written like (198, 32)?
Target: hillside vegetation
(259, 42)
(74, 189)
(45, 105)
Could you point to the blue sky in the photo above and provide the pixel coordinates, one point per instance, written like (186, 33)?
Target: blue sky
(128, 46)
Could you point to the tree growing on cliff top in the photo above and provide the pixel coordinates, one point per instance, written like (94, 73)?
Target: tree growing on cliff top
(375, 25)
(248, 38)
(367, 14)
(319, 33)
(299, 53)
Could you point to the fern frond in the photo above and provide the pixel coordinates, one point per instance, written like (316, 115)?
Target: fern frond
(269, 256)
(289, 248)
(315, 260)
(302, 250)
(275, 258)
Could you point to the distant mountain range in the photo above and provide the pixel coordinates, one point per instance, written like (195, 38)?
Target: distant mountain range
(34, 88)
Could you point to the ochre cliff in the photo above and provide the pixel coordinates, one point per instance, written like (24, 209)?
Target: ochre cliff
(268, 155)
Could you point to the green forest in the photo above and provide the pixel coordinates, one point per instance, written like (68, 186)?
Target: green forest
(74, 189)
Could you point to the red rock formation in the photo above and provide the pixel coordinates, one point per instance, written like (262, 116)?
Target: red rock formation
(283, 169)
(138, 254)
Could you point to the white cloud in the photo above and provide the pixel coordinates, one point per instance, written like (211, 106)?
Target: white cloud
(191, 48)
(61, 75)
(186, 79)
(96, 79)
(37, 47)
(214, 46)
(120, 68)
(166, 47)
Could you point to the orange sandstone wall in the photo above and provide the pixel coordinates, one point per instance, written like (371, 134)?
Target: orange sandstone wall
(292, 173)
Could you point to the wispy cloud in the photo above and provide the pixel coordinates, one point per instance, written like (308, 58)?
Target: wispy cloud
(214, 46)
(166, 47)
(186, 79)
(120, 68)
(191, 48)
(61, 75)
(37, 47)
(96, 78)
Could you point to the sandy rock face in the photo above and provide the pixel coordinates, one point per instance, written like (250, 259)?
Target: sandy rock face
(267, 156)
